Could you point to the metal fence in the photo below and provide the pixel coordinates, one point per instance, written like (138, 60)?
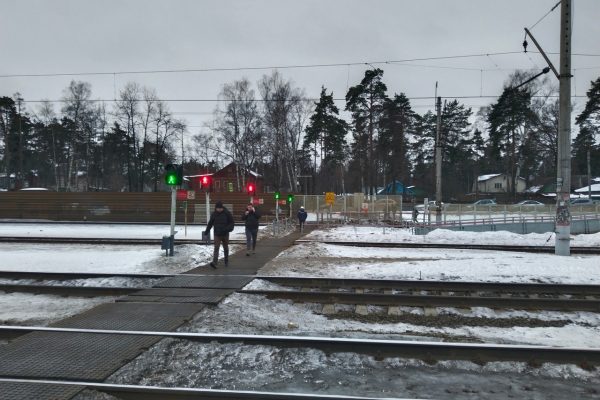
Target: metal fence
(360, 208)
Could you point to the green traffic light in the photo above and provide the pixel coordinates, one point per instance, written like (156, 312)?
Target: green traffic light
(277, 195)
(290, 198)
(171, 180)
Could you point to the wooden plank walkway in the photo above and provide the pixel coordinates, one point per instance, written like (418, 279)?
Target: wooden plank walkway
(94, 357)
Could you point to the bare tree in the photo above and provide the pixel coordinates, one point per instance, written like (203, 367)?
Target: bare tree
(127, 111)
(78, 109)
(237, 123)
(281, 123)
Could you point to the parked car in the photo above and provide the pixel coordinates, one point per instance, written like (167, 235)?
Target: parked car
(485, 202)
(529, 203)
(583, 202)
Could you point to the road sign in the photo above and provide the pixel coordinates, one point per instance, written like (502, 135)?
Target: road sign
(191, 195)
(181, 194)
(282, 202)
(329, 198)
(365, 207)
(261, 201)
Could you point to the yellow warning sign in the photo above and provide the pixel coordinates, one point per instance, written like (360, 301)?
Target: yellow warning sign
(330, 198)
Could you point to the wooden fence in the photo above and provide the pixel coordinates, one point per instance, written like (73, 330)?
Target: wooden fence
(118, 207)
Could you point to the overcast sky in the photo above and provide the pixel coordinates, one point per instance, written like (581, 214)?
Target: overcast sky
(74, 36)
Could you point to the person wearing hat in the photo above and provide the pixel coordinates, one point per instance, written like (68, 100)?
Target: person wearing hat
(222, 220)
(302, 215)
(250, 218)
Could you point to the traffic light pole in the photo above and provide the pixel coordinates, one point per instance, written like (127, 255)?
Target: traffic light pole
(173, 210)
(207, 198)
(438, 161)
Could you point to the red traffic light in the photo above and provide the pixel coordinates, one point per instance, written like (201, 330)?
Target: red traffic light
(251, 189)
(205, 182)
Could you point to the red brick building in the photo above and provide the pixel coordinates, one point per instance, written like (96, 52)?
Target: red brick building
(229, 179)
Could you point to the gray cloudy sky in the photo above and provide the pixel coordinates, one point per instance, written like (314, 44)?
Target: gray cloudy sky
(64, 36)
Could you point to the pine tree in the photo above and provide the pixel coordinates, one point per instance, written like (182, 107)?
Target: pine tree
(365, 102)
(398, 123)
(589, 133)
(326, 134)
(509, 119)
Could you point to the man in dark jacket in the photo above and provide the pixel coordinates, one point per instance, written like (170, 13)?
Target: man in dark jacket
(222, 220)
(251, 217)
(302, 215)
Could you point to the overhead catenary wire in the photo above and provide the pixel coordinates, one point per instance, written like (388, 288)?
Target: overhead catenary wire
(265, 100)
(273, 67)
(545, 15)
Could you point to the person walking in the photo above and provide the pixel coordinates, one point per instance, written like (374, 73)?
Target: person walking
(302, 215)
(251, 217)
(222, 220)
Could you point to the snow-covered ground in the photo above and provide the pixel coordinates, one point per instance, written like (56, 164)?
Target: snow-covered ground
(23, 309)
(119, 231)
(444, 236)
(328, 260)
(233, 366)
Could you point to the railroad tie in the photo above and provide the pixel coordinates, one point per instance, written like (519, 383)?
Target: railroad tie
(360, 309)
(329, 309)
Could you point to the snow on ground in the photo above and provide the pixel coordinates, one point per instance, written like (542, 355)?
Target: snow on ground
(233, 366)
(445, 236)
(28, 309)
(237, 367)
(21, 308)
(327, 260)
(119, 231)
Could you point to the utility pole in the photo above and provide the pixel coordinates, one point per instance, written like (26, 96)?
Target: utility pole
(589, 174)
(563, 178)
(438, 160)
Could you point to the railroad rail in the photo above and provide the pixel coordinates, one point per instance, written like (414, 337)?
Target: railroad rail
(40, 276)
(67, 290)
(467, 246)
(431, 351)
(448, 286)
(430, 301)
(526, 296)
(102, 241)
(135, 392)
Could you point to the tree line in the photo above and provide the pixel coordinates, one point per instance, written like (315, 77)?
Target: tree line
(359, 144)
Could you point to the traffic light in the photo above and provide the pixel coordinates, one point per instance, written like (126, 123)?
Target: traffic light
(277, 195)
(290, 198)
(251, 189)
(205, 182)
(173, 174)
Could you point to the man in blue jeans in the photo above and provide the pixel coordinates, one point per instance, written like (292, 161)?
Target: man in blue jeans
(251, 217)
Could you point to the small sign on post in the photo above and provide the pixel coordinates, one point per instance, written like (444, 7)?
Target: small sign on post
(191, 195)
(330, 198)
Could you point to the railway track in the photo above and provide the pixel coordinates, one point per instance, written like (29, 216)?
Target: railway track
(398, 293)
(157, 242)
(135, 392)
(102, 241)
(511, 248)
(429, 351)
(390, 293)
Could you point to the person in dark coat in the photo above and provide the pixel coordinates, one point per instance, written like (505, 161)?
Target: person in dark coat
(302, 215)
(222, 220)
(251, 217)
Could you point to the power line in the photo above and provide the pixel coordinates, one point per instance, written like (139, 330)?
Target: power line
(297, 66)
(545, 15)
(262, 100)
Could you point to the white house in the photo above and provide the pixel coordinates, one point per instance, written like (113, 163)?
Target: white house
(497, 183)
(595, 189)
